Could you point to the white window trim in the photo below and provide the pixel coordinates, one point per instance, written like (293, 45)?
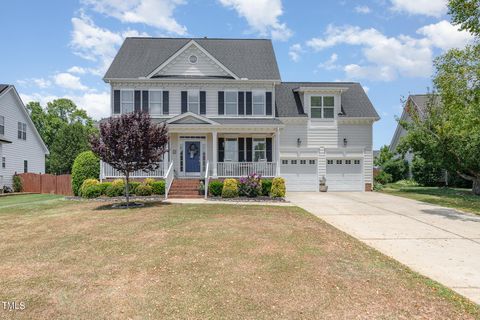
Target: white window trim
(264, 140)
(264, 93)
(322, 96)
(197, 92)
(236, 104)
(2, 124)
(235, 159)
(121, 100)
(23, 130)
(150, 101)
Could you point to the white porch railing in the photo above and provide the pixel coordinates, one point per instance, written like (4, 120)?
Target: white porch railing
(107, 172)
(169, 175)
(243, 169)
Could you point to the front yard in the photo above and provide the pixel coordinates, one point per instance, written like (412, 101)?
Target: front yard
(72, 260)
(462, 199)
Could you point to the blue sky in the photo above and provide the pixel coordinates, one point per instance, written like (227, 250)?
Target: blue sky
(59, 48)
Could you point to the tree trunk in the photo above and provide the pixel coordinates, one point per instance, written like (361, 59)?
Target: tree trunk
(127, 195)
(476, 186)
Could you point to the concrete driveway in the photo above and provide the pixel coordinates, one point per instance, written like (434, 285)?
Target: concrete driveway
(438, 242)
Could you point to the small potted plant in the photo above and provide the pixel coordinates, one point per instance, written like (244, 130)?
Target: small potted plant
(201, 188)
(323, 186)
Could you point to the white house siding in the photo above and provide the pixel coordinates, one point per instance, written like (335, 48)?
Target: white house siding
(322, 134)
(368, 166)
(211, 90)
(294, 129)
(203, 67)
(357, 135)
(19, 150)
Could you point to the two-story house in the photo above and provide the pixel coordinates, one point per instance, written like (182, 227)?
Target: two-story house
(229, 114)
(21, 147)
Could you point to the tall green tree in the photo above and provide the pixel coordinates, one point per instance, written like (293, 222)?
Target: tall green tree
(65, 129)
(465, 13)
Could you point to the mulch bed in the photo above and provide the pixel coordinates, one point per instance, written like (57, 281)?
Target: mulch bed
(154, 198)
(246, 199)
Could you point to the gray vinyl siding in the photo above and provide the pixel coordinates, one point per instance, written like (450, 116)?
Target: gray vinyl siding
(356, 135)
(19, 150)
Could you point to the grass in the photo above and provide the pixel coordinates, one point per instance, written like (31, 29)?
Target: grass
(81, 260)
(462, 199)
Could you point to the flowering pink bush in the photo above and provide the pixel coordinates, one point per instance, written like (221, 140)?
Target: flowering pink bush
(251, 186)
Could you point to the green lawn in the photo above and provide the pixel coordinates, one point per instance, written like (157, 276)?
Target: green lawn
(83, 260)
(462, 199)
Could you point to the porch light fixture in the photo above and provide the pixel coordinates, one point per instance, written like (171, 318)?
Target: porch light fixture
(345, 142)
(299, 142)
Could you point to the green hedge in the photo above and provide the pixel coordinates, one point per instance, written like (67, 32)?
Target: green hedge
(86, 184)
(215, 188)
(230, 188)
(115, 190)
(144, 190)
(278, 188)
(158, 187)
(266, 187)
(92, 191)
(85, 166)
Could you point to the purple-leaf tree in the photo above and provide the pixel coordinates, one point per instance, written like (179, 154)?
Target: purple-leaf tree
(129, 143)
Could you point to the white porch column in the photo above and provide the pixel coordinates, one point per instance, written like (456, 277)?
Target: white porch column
(214, 153)
(277, 151)
(165, 161)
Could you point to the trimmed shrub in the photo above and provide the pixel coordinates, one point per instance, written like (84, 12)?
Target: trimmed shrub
(115, 190)
(17, 183)
(251, 186)
(397, 168)
(92, 191)
(149, 181)
(144, 190)
(118, 182)
(158, 187)
(383, 178)
(87, 183)
(266, 187)
(215, 188)
(377, 186)
(103, 186)
(230, 188)
(85, 166)
(425, 173)
(132, 187)
(278, 188)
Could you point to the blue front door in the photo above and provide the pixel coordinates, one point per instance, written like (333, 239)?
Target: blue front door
(192, 156)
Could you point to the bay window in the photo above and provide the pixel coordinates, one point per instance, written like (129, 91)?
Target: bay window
(258, 103)
(194, 102)
(231, 102)
(155, 102)
(127, 101)
(322, 107)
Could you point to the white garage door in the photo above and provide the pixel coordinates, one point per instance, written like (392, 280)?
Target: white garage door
(300, 174)
(344, 175)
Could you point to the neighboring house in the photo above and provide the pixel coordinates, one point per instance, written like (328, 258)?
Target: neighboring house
(21, 147)
(229, 114)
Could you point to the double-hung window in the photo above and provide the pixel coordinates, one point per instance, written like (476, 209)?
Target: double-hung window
(322, 107)
(127, 101)
(22, 131)
(258, 103)
(155, 102)
(231, 150)
(25, 166)
(259, 149)
(231, 106)
(194, 101)
(2, 125)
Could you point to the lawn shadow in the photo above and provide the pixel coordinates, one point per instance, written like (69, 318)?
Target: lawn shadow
(453, 214)
(149, 204)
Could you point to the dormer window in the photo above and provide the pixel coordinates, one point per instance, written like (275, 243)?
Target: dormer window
(259, 103)
(322, 107)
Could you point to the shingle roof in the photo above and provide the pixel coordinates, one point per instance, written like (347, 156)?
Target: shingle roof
(247, 58)
(355, 102)
(3, 87)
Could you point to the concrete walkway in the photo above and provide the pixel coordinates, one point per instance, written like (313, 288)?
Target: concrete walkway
(438, 242)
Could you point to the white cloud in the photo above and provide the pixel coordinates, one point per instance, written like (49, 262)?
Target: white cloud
(366, 89)
(41, 83)
(330, 64)
(97, 105)
(262, 16)
(69, 81)
(390, 57)
(433, 8)
(77, 70)
(363, 9)
(155, 13)
(295, 52)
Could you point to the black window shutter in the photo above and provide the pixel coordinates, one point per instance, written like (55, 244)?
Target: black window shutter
(184, 101)
(203, 102)
(145, 101)
(249, 103)
(221, 102)
(249, 149)
(166, 102)
(241, 149)
(241, 103)
(221, 150)
(268, 102)
(138, 101)
(269, 149)
(116, 101)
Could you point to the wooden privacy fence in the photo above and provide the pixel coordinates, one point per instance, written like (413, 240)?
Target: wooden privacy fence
(47, 183)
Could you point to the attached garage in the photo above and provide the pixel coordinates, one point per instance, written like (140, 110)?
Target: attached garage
(300, 174)
(345, 174)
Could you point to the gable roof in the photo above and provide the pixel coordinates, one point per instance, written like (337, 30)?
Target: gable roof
(355, 102)
(253, 59)
(4, 88)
